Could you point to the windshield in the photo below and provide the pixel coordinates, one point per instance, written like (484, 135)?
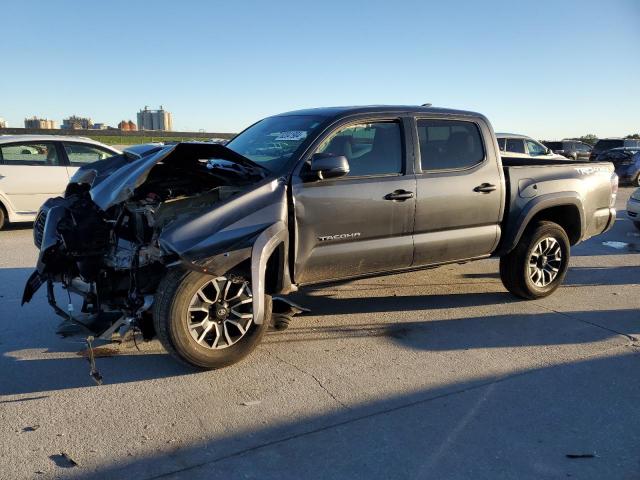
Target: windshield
(272, 142)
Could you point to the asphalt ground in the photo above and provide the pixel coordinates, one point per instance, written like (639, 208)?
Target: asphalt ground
(435, 374)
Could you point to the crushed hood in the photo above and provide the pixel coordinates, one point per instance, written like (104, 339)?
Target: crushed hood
(120, 184)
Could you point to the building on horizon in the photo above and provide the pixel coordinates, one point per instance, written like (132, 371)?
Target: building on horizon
(77, 123)
(3, 123)
(155, 119)
(127, 126)
(100, 126)
(39, 123)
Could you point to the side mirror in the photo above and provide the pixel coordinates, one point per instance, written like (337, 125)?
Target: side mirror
(547, 151)
(327, 165)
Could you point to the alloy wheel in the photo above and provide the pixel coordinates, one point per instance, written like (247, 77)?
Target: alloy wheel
(545, 262)
(220, 313)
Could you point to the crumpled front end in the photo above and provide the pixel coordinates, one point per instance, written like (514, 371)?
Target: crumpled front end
(192, 206)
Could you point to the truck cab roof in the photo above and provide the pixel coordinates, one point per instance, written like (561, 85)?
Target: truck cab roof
(346, 111)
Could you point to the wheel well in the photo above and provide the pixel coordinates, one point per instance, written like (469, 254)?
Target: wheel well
(273, 276)
(567, 216)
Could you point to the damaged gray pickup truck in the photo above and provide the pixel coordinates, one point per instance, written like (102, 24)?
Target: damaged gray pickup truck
(193, 242)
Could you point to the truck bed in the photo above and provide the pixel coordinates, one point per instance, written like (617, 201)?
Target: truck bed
(583, 185)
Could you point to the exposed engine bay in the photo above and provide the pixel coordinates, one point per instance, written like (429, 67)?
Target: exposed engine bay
(108, 251)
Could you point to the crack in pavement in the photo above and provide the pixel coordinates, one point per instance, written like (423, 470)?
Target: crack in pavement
(396, 408)
(309, 374)
(629, 337)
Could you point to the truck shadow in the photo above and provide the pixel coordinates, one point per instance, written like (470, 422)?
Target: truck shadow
(583, 276)
(497, 331)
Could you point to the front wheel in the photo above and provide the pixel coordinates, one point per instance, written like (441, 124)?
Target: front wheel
(538, 264)
(207, 321)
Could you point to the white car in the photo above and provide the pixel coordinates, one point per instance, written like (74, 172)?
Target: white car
(521, 146)
(34, 168)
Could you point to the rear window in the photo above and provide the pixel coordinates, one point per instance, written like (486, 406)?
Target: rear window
(632, 143)
(554, 145)
(449, 144)
(603, 145)
(515, 145)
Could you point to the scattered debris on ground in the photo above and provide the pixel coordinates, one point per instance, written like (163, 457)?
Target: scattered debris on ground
(63, 460)
(31, 428)
(581, 455)
(251, 403)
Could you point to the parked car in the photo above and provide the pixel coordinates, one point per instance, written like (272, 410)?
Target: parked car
(521, 146)
(626, 161)
(633, 208)
(609, 143)
(573, 149)
(34, 168)
(202, 239)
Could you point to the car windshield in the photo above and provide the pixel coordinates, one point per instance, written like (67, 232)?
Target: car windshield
(273, 141)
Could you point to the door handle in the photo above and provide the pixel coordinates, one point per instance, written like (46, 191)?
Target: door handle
(399, 195)
(485, 188)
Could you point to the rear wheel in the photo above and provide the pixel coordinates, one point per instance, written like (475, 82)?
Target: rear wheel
(3, 217)
(207, 321)
(537, 266)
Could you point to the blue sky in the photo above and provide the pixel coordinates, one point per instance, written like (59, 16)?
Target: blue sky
(549, 69)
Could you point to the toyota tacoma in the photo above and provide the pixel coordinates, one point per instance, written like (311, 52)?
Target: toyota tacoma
(198, 243)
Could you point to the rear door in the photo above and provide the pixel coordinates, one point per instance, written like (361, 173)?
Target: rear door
(30, 173)
(361, 223)
(460, 191)
(584, 151)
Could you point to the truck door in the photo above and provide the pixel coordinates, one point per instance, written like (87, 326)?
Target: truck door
(363, 222)
(460, 191)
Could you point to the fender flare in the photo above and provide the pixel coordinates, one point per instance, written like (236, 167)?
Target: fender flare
(514, 232)
(262, 249)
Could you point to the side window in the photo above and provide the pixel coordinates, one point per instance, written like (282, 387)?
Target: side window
(370, 148)
(35, 154)
(501, 144)
(446, 144)
(82, 154)
(515, 145)
(535, 148)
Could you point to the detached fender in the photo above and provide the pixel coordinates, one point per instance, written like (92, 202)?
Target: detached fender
(517, 223)
(263, 247)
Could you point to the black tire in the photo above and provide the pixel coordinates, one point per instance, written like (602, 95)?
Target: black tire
(3, 217)
(171, 318)
(637, 225)
(514, 267)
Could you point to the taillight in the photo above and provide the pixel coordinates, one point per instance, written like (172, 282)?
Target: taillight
(614, 190)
